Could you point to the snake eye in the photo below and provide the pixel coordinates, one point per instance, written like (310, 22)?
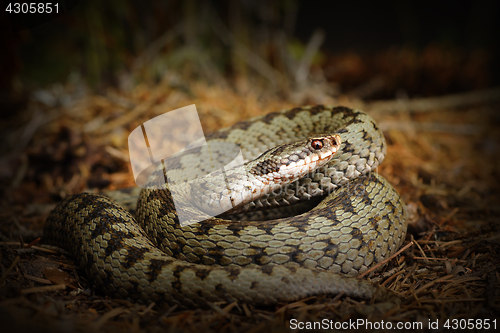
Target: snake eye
(317, 144)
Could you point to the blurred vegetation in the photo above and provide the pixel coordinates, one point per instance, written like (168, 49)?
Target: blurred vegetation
(414, 48)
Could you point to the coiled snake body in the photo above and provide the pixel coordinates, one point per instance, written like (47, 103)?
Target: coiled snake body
(152, 258)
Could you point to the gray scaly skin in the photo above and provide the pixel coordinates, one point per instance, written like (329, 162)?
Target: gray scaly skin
(362, 222)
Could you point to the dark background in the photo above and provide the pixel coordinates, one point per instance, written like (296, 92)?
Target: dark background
(101, 40)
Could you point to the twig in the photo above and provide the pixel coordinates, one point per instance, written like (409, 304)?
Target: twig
(420, 248)
(37, 279)
(392, 277)
(433, 103)
(169, 311)
(430, 284)
(11, 267)
(246, 310)
(108, 315)
(217, 309)
(35, 247)
(385, 261)
(150, 306)
(292, 305)
(43, 289)
(228, 307)
(445, 244)
(455, 300)
(444, 259)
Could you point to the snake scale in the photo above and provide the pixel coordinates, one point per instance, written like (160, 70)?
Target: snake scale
(359, 222)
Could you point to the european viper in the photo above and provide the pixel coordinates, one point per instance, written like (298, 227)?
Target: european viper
(360, 221)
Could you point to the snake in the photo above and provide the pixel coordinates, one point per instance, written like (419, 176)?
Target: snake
(356, 220)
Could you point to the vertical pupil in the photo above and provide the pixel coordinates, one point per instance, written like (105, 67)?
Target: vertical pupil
(317, 144)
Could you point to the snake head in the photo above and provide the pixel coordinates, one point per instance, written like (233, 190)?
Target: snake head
(274, 169)
(292, 161)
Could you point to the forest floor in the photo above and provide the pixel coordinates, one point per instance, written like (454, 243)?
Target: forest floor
(442, 158)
